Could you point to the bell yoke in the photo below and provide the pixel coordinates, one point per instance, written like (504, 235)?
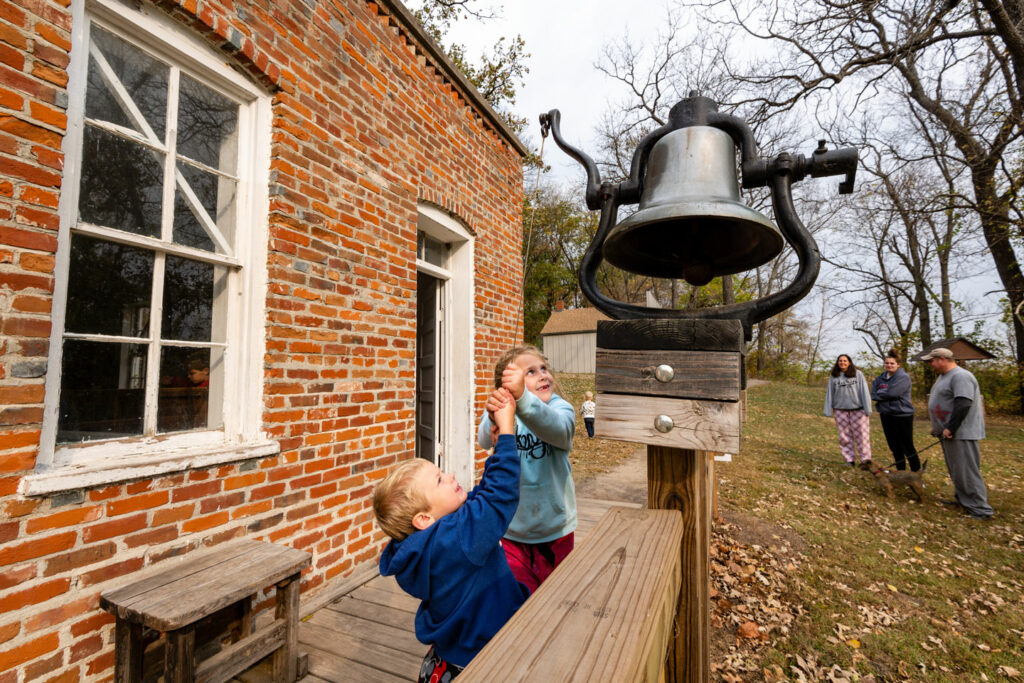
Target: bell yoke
(691, 223)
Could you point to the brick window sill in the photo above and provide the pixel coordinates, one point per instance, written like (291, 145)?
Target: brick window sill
(125, 468)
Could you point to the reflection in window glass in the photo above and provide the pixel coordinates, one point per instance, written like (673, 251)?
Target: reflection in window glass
(217, 198)
(122, 184)
(109, 288)
(207, 126)
(143, 77)
(184, 401)
(102, 392)
(189, 291)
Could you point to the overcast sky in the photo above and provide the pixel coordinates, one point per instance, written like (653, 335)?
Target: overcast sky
(565, 39)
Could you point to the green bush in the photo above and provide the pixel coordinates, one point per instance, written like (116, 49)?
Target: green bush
(999, 385)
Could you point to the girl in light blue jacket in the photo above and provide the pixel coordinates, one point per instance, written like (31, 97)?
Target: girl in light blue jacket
(542, 532)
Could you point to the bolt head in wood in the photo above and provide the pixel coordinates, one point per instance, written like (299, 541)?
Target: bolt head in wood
(664, 373)
(664, 424)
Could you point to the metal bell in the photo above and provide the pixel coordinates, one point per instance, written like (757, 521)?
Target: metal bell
(691, 223)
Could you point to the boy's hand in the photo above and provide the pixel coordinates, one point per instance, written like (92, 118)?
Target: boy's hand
(495, 402)
(513, 379)
(505, 417)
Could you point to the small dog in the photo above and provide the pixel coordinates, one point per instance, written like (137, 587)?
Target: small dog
(889, 478)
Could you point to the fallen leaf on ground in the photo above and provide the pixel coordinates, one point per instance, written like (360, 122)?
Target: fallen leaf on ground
(748, 629)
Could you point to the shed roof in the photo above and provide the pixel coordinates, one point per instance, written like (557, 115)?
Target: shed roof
(573, 320)
(962, 349)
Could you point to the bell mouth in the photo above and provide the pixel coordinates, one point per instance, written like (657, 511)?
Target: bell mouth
(696, 241)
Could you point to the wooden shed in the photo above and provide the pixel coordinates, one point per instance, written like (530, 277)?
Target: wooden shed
(570, 339)
(962, 349)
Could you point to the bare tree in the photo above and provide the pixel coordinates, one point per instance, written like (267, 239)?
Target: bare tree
(961, 65)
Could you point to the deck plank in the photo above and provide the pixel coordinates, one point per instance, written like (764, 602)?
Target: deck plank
(329, 666)
(348, 604)
(373, 631)
(399, 599)
(389, 659)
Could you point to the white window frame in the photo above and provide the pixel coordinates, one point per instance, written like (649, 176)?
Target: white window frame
(73, 466)
(456, 427)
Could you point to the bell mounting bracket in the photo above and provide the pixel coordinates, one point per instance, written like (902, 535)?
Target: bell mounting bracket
(778, 174)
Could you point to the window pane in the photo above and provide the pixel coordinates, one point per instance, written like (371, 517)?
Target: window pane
(207, 126)
(143, 77)
(431, 250)
(216, 196)
(192, 290)
(109, 288)
(186, 378)
(101, 390)
(122, 184)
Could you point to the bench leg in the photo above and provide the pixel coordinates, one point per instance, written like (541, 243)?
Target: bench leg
(179, 656)
(246, 623)
(285, 658)
(128, 649)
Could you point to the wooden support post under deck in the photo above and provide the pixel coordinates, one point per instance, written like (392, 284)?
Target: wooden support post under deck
(680, 479)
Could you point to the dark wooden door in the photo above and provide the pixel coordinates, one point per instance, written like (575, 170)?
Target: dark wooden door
(426, 366)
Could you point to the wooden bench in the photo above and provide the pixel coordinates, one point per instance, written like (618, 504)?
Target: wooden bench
(171, 599)
(605, 614)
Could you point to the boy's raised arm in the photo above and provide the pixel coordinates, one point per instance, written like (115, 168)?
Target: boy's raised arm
(493, 503)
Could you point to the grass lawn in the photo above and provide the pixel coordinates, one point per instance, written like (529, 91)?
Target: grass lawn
(883, 587)
(817, 576)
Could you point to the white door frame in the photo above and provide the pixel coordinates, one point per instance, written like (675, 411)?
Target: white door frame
(456, 424)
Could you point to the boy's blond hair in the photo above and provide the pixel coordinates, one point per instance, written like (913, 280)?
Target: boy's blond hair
(515, 352)
(396, 500)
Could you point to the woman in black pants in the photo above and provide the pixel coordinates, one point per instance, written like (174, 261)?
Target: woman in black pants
(891, 392)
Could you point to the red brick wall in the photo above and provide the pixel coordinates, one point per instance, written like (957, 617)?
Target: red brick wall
(364, 129)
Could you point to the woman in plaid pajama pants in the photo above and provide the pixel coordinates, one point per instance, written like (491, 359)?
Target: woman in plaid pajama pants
(849, 400)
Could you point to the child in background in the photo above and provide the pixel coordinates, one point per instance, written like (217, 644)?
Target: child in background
(587, 411)
(542, 532)
(446, 549)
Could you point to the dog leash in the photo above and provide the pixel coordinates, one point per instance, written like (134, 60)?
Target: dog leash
(900, 462)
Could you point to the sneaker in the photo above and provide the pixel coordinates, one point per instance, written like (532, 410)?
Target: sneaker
(950, 503)
(979, 517)
(865, 464)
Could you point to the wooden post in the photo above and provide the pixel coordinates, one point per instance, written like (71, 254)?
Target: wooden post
(679, 479)
(675, 385)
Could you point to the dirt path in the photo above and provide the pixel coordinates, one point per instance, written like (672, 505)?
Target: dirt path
(626, 482)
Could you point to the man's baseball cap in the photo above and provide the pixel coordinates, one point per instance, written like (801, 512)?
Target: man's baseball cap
(937, 353)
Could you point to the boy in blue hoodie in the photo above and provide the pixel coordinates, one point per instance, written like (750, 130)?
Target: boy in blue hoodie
(445, 550)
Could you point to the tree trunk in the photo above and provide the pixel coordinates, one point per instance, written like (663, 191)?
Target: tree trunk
(995, 225)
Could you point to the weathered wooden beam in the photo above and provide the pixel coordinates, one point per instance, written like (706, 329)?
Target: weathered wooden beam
(699, 425)
(662, 334)
(712, 375)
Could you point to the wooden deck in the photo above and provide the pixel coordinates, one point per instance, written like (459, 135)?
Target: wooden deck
(367, 635)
